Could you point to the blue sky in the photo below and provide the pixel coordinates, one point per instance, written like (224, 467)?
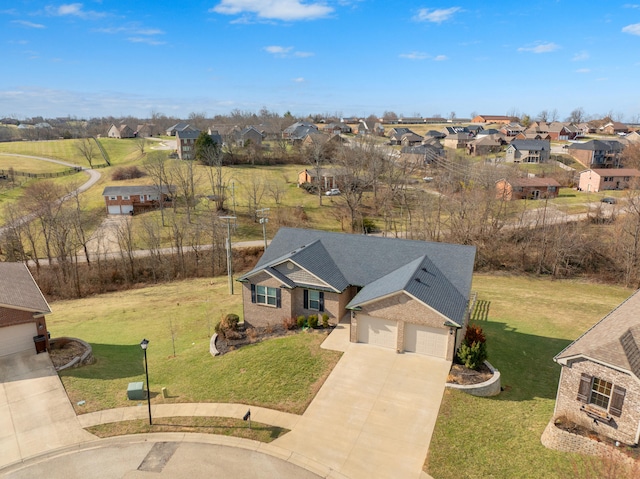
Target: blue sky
(345, 57)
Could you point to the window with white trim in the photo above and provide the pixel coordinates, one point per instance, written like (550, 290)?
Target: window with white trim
(600, 393)
(266, 295)
(603, 394)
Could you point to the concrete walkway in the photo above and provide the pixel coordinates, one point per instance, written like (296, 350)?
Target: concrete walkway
(35, 413)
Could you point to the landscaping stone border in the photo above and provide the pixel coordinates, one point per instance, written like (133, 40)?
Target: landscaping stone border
(565, 441)
(212, 345)
(490, 387)
(87, 356)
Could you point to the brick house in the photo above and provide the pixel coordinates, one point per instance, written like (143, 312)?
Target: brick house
(599, 385)
(328, 177)
(599, 179)
(120, 131)
(127, 200)
(597, 153)
(22, 310)
(527, 188)
(499, 119)
(394, 293)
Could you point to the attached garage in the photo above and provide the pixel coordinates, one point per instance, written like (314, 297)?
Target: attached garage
(120, 209)
(377, 331)
(17, 338)
(426, 340)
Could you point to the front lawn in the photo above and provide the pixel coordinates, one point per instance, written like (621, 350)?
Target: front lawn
(530, 321)
(282, 373)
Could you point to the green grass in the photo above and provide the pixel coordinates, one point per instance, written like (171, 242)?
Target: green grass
(30, 165)
(282, 373)
(530, 321)
(222, 426)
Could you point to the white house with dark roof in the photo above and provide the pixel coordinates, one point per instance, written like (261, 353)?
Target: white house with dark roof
(528, 151)
(399, 294)
(22, 310)
(599, 385)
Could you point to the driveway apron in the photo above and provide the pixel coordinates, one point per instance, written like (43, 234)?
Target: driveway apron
(35, 413)
(374, 415)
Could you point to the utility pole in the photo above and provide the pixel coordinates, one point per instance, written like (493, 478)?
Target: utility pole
(229, 253)
(263, 215)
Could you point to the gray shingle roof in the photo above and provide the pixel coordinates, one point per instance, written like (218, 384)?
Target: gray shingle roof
(18, 289)
(614, 340)
(136, 190)
(379, 265)
(531, 144)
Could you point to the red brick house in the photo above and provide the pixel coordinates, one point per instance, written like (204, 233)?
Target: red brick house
(527, 188)
(22, 311)
(599, 385)
(127, 200)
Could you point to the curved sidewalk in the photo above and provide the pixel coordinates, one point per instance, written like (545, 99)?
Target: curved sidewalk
(258, 414)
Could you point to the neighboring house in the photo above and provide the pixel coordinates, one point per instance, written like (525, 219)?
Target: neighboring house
(179, 127)
(394, 293)
(633, 138)
(121, 131)
(533, 136)
(438, 135)
(411, 139)
(559, 131)
(512, 129)
(457, 140)
(527, 188)
(337, 128)
(475, 129)
(599, 386)
(423, 154)
(22, 310)
(597, 153)
(499, 119)
(298, 131)
(328, 177)
(247, 135)
(599, 179)
(485, 145)
(451, 130)
(127, 200)
(147, 130)
(528, 151)
(614, 128)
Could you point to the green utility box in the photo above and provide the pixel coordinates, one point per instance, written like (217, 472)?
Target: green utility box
(135, 391)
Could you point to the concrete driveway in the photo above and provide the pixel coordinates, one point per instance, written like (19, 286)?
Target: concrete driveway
(35, 413)
(374, 415)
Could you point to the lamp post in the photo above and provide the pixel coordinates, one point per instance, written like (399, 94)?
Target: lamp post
(143, 344)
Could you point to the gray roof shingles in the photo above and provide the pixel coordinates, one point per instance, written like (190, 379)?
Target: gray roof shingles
(380, 266)
(19, 290)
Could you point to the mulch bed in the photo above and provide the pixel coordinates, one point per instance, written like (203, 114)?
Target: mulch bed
(465, 376)
(63, 351)
(252, 335)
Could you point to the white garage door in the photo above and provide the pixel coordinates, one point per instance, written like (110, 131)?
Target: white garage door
(378, 331)
(425, 340)
(14, 339)
(114, 209)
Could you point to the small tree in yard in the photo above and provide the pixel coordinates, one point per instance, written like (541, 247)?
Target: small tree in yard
(473, 350)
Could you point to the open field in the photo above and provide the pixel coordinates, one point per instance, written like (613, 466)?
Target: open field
(530, 321)
(282, 373)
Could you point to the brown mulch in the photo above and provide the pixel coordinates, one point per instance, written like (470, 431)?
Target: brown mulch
(64, 351)
(465, 376)
(252, 335)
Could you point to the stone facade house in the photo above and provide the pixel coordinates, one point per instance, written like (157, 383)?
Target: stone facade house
(527, 188)
(485, 145)
(22, 311)
(528, 151)
(120, 131)
(599, 385)
(181, 126)
(394, 293)
(600, 179)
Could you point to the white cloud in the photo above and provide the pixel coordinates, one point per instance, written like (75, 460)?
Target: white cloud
(25, 23)
(580, 56)
(147, 40)
(583, 70)
(633, 29)
(73, 10)
(414, 56)
(274, 9)
(299, 80)
(280, 51)
(130, 30)
(540, 48)
(440, 58)
(437, 15)
(630, 5)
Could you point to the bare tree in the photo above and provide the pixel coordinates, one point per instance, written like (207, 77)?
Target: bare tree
(255, 189)
(141, 144)
(185, 178)
(156, 166)
(576, 116)
(88, 149)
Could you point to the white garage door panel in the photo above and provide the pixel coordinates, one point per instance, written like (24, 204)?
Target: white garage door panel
(114, 209)
(377, 331)
(425, 340)
(126, 209)
(14, 339)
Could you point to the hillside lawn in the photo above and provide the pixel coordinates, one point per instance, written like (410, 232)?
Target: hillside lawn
(530, 321)
(282, 373)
